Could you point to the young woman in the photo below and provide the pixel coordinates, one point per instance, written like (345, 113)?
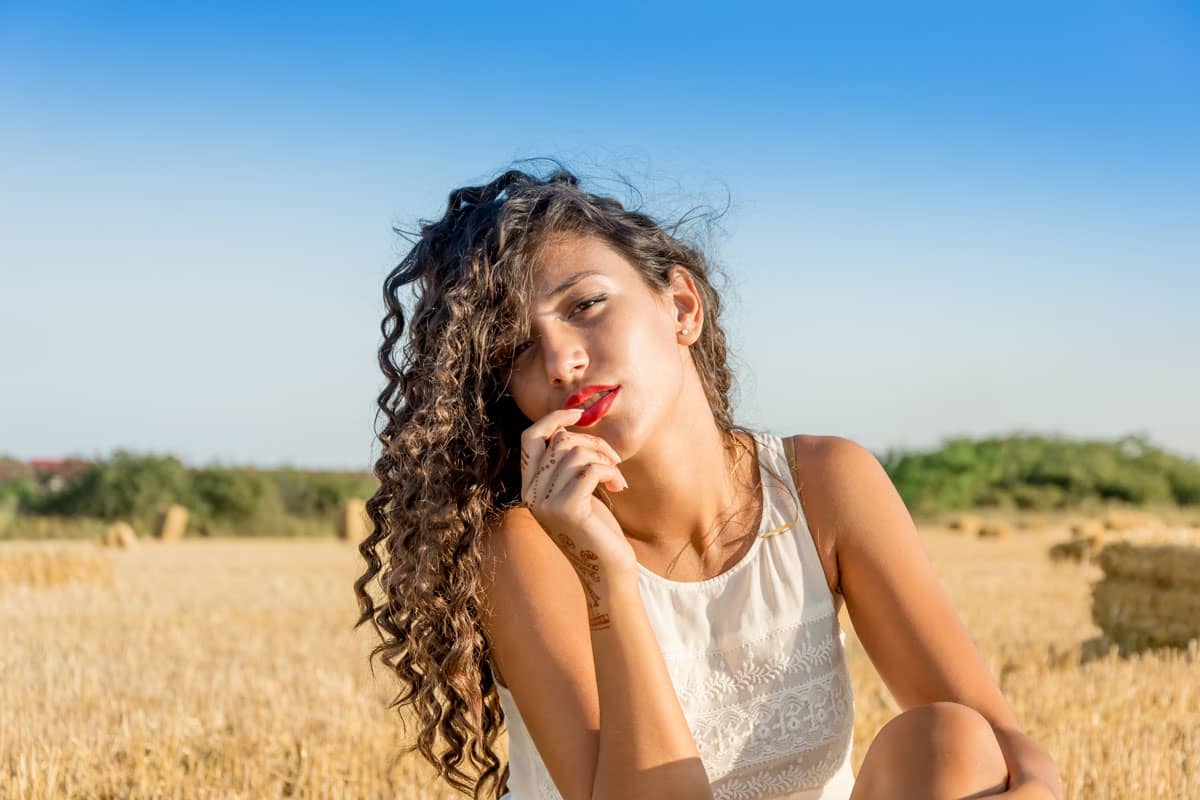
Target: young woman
(575, 540)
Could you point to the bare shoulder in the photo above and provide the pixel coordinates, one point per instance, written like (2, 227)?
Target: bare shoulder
(826, 467)
(534, 614)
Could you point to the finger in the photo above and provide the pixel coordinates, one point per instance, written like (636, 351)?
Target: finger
(574, 483)
(566, 439)
(563, 464)
(601, 444)
(534, 445)
(542, 463)
(544, 428)
(546, 458)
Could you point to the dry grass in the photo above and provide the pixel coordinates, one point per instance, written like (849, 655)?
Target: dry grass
(48, 565)
(227, 668)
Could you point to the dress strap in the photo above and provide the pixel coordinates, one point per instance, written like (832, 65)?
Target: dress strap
(791, 458)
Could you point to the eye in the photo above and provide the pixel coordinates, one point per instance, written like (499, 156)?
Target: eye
(581, 306)
(591, 301)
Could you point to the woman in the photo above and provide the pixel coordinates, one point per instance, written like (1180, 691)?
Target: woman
(579, 542)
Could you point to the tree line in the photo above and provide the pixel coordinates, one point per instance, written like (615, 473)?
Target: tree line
(1027, 471)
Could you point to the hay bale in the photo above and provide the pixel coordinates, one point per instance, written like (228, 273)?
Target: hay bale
(995, 530)
(1031, 523)
(1077, 548)
(172, 523)
(354, 523)
(1088, 527)
(1150, 593)
(1137, 616)
(1124, 519)
(967, 523)
(120, 534)
(1157, 564)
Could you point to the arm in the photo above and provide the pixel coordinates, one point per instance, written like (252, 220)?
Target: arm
(903, 618)
(646, 748)
(598, 704)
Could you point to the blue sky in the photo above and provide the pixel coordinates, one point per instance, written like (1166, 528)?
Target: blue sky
(944, 221)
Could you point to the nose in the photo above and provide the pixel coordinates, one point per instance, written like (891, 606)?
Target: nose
(564, 355)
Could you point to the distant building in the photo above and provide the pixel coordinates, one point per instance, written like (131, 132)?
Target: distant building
(54, 473)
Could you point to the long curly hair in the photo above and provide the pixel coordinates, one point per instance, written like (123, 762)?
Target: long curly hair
(450, 462)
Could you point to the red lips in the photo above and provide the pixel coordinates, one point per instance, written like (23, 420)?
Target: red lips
(583, 395)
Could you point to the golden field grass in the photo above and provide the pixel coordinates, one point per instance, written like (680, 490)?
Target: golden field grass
(228, 668)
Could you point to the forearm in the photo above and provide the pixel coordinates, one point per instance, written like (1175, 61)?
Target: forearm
(1033, 775)
(646, 748)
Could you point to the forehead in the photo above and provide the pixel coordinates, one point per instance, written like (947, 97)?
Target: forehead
(566, 255)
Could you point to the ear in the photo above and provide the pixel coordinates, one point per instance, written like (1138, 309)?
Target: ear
(685, 303)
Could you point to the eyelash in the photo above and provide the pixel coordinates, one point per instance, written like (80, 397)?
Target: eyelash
(583, 305)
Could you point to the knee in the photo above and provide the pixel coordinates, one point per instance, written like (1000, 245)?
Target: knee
(955, 742)
(946, 728)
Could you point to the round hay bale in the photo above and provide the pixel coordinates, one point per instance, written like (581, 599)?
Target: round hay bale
(1124, 519)
(995, 530)
(968, 524)
(172, 523)
(120, 534)
(1078, 548)
(354, 523)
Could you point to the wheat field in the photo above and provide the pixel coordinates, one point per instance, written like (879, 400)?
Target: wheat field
(228, 668)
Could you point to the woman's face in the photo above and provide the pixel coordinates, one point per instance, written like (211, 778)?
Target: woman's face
(595, 322)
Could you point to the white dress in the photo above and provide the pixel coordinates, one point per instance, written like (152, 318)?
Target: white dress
(757, 660)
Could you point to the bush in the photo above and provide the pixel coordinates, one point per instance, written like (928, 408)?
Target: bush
(1040, 472)
(129, 486)
(234, 496)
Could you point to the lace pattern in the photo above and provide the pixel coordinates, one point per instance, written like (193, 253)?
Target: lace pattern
(777, 713)
(770, 717)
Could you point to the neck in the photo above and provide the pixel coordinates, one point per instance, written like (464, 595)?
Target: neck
(687, 486)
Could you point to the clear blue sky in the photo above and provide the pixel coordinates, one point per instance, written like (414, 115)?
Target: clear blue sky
(947, 219)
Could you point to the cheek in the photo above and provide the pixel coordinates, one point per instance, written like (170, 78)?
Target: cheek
(646, 356)
(521, 398)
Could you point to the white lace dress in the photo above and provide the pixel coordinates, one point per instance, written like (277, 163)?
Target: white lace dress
(756, 656)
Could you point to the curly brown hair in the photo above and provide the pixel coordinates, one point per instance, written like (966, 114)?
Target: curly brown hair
(450, 463)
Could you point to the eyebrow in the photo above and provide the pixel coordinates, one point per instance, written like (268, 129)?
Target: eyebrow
(571, 281)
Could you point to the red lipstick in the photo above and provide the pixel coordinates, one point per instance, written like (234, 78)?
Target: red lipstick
(597, 409)
(581, 396)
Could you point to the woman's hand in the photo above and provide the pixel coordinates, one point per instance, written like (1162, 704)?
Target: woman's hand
(560, 471)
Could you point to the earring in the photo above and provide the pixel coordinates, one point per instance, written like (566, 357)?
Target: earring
(684, 331)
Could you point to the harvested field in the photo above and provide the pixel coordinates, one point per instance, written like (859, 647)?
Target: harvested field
(228, 668)
(49, 565)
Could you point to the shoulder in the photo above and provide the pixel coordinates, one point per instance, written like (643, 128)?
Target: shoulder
(832, 457)
(841, 474)
(833, 475)
(516, 549)
(837, 462)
